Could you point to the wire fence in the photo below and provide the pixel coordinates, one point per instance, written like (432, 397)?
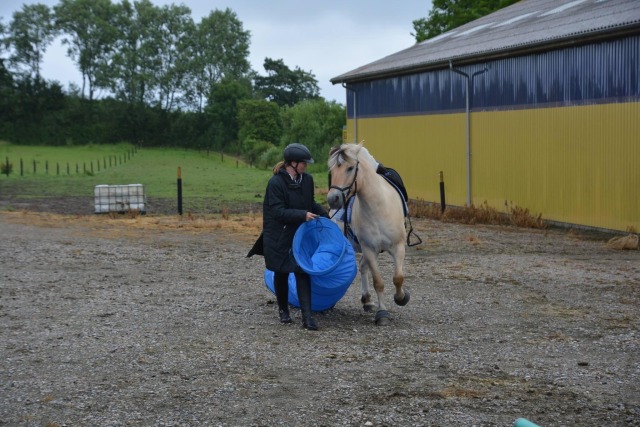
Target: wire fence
(45, 167)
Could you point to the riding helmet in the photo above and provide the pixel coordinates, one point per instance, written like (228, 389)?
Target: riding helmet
(297, 153)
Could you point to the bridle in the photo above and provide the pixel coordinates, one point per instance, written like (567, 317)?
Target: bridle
(346, 192)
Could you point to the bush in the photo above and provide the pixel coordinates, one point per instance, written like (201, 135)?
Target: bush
(6, 168)
(269, 158)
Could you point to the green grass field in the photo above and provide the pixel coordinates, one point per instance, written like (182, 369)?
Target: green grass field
(212, 176)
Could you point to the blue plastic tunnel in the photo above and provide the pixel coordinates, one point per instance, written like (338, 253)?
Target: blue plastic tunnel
(322, 251)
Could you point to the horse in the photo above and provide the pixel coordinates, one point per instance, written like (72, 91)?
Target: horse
(377, 218)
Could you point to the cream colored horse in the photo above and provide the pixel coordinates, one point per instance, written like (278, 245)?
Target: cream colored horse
(376, 219)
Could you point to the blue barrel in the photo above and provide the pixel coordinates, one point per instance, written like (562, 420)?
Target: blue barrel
(322, 251)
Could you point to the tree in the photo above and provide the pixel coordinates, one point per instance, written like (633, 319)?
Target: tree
(7, 92)
(315, 123)
(222, 109)
(133, 59)
(150, 59)
(90, 34)
(220, 49)
(176, 30)
(449, 14)
(285, 86)
(31, 32)
(4, 44)
(259, 120)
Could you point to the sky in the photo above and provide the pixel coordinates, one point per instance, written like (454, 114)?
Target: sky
(327, 38)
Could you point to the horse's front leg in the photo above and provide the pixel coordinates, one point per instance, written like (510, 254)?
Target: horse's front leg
(371, 259)
(367, 304)
(401, 297)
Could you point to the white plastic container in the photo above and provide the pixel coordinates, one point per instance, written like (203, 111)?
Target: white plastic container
(119, 198)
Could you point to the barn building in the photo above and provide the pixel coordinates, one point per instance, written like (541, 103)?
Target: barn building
(535, 106)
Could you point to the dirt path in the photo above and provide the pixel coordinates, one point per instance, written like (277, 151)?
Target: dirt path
(158, 321)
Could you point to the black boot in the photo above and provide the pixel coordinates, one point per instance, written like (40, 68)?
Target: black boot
(281, 286)
(303, 285)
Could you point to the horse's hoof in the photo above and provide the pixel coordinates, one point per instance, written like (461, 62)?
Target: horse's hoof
(383, 318)
(369, 308)
(405, 300)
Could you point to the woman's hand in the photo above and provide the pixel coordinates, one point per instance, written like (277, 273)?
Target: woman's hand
(310, 216)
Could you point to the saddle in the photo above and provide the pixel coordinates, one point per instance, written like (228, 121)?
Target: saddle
(394, 178)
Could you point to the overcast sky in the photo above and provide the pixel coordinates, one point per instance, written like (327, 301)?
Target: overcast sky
(325, 37)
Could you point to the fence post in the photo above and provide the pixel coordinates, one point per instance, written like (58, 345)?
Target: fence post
(7, 167)
(179, 190)
(443, 204)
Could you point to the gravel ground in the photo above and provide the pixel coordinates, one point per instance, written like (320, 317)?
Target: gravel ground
(161, 321)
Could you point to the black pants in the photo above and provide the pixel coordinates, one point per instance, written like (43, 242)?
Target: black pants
(281, 281)
(303, 287)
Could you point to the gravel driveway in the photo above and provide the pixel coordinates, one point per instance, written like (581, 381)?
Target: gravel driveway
(159, 321)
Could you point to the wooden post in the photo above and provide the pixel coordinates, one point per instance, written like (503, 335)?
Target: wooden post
(443, 204)
(179, 190)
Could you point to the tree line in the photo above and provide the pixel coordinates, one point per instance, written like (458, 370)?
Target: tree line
(154, 77)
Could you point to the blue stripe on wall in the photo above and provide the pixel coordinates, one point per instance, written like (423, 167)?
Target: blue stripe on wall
(595, 73)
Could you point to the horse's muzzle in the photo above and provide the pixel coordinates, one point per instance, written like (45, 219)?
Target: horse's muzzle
(335, 198)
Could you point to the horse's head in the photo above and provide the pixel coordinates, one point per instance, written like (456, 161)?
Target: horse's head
(343, 166)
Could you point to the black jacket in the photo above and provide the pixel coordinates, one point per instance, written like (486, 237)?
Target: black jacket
(284, 208)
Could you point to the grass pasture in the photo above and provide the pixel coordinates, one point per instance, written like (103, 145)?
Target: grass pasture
(211, 182)
(205, 176)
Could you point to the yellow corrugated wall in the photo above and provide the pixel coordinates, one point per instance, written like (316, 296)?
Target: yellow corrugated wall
(578, 165)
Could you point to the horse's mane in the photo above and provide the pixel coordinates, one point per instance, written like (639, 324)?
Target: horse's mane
(350, 152)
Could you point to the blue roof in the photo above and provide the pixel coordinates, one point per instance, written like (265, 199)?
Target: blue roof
(526, 26)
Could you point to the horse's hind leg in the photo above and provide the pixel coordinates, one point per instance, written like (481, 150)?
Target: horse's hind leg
(401, 297)
(367, 305)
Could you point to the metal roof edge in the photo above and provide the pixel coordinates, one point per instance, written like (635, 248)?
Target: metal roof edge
(533, 47)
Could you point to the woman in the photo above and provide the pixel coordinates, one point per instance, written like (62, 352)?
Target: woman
(288, 202)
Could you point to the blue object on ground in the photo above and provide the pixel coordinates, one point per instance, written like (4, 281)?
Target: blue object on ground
(521, 422)
(322, 251)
